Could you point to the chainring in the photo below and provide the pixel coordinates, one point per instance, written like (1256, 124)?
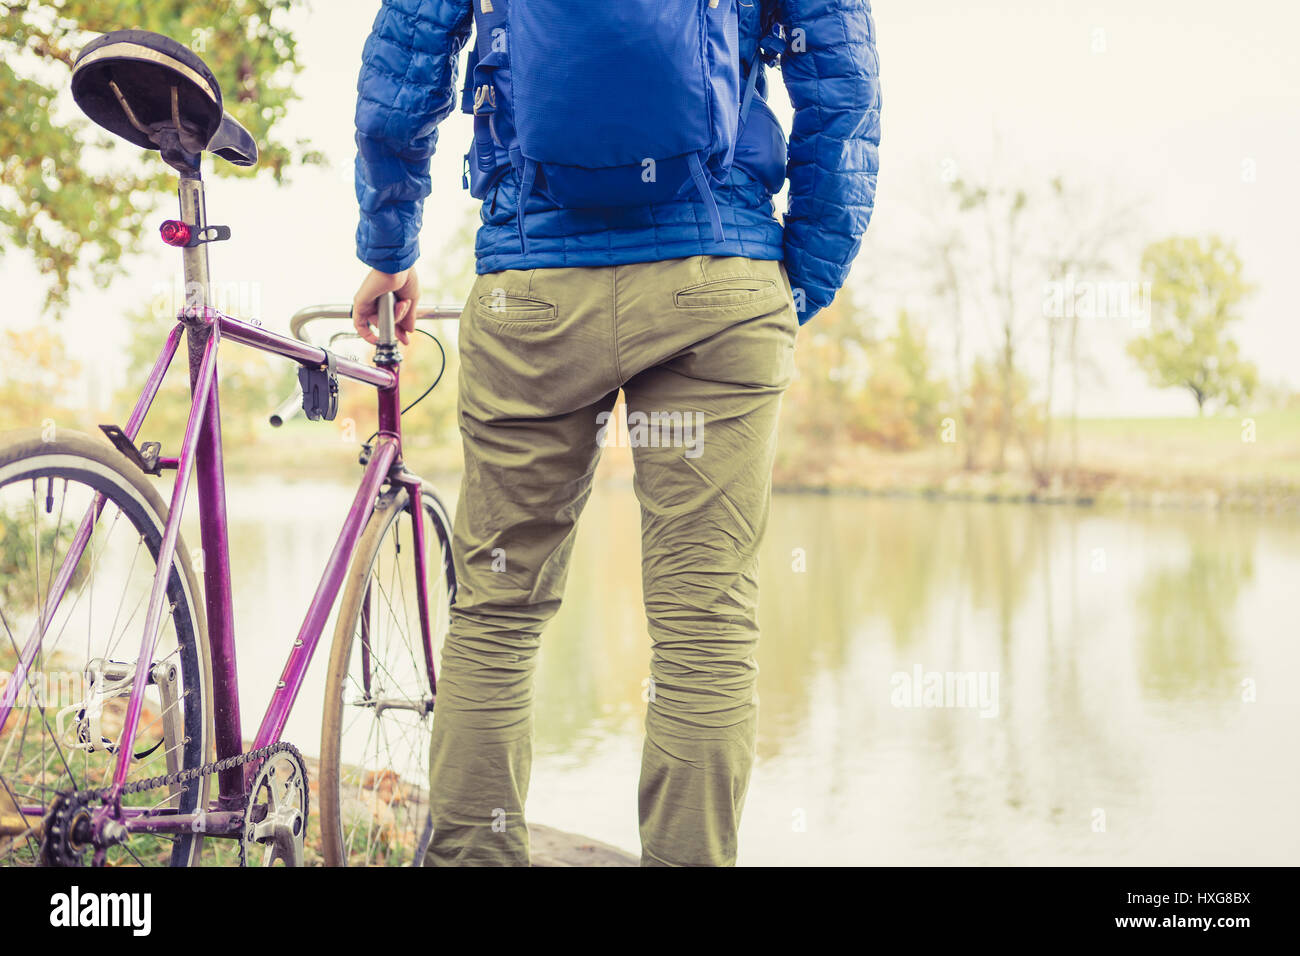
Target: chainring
(66, 835)
(276, 811)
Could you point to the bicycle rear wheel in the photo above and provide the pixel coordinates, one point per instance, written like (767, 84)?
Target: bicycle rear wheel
(373, 796)
(69, 707)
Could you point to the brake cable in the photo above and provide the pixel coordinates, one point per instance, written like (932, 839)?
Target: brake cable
(425, 394)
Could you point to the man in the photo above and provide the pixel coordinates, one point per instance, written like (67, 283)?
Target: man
(677, 286)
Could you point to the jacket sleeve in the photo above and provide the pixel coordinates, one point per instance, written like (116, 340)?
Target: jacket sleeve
(831, 72)
(406, 87)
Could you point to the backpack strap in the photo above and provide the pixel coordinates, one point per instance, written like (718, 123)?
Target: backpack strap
(771, 46)
(706, 193)
(527, 176)
(489, 16)
(467, 91)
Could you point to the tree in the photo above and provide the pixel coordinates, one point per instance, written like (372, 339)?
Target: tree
(1197, 288)
(821, 409)
(903, 396)
(987, 247)
(1003, 210)
(988, 404)
(1089, 226)
(33, 386)
(67, 195)
(942, 261)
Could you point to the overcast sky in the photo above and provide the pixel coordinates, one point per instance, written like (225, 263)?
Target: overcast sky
(1165, 101)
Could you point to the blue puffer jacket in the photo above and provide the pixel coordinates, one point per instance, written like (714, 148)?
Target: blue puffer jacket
(408, 85)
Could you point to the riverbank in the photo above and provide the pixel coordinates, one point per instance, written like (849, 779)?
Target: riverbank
(1215, 462)
(548, 846)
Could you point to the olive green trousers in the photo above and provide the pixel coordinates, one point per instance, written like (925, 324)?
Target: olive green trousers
(703, 348)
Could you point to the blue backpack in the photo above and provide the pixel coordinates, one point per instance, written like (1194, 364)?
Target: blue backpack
(622, 103)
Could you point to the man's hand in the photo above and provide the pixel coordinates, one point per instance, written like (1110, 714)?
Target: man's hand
(365, 304)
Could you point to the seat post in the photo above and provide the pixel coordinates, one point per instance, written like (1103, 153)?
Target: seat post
(210, 483)
(195, 258)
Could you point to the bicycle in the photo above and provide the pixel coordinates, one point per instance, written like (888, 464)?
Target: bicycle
(118, 769)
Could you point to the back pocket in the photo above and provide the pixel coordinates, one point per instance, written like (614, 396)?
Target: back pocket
(724, 292)
(515, 307)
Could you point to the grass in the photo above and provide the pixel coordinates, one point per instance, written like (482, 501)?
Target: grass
(1222, 461)
(1259, 448)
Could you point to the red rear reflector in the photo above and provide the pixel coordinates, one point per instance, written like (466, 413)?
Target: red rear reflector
(175, 233)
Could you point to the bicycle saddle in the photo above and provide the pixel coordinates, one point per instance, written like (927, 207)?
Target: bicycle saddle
(156, 93)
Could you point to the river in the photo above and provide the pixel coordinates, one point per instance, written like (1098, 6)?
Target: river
(947, 683)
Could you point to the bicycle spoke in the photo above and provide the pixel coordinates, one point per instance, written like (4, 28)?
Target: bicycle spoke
(78, 592)
(76, 600)
(393, 615)
(49, 580)
(381, 698)
(40, 708)
(112, 628)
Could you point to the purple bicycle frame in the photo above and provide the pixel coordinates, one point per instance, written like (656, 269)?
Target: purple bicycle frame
(201, 456)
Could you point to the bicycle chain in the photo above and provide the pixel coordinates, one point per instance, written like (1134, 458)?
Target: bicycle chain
(181, 776)
(219, 766)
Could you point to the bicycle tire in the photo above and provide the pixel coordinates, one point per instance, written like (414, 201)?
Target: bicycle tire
(71, 456)
(336, 774)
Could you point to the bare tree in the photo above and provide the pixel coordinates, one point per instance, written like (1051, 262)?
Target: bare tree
(1083, 236)
(1001, 212)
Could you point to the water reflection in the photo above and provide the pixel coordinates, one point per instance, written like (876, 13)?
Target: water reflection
(1141, 712)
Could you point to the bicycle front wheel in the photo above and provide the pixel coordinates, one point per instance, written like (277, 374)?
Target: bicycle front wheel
(74, 509)
(374, 806)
